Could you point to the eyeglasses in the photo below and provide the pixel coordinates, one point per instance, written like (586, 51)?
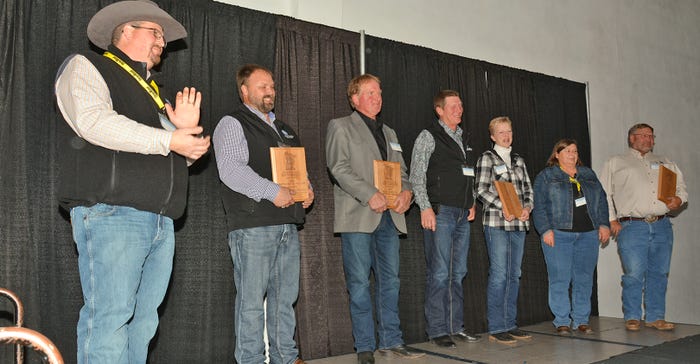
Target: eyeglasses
(649, 136)
(156, 33)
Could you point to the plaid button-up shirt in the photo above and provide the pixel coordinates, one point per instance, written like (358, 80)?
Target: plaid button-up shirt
(516, 173)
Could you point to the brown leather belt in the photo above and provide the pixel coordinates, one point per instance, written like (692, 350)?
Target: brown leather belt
(649, 219)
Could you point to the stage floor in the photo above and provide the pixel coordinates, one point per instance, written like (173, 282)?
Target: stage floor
(609, 339)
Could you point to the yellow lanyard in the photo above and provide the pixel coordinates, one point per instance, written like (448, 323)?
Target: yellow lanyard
(574, 181)
(152, 89)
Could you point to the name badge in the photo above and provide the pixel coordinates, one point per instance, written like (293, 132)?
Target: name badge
(468, 171)
(500, 169)
(286, 135)
(655, 165)
(396, 147)
(580, 201)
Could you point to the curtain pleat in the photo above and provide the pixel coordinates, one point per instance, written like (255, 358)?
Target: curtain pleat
(313, 65)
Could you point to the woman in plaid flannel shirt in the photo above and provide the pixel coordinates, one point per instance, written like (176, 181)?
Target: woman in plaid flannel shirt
(505, 235)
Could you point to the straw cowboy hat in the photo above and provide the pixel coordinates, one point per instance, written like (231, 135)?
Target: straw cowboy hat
(102, 25)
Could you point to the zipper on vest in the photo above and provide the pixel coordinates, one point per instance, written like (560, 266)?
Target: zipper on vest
(172, 183)
(113, 179)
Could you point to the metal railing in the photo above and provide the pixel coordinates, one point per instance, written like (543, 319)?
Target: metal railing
(22, 336)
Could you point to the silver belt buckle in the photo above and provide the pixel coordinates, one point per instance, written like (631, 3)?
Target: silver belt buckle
(651, 218)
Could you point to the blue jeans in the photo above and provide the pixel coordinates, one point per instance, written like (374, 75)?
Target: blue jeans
(446, 252)
(505, 256)
(265, 264)
(645, 250)
(571, 262)
(125, 257)
(378, 251)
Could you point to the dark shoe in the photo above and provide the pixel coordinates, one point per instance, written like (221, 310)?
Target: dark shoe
(662, 325)
(519, 334)
(584, 329)
(465, 336)
(564, 331)
(632, 325)
(444, 342)
(365, 357)
(502, 338)
(402, 351)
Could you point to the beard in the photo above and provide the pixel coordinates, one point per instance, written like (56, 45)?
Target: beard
(155, 60)
(266, 104)
(155, 57)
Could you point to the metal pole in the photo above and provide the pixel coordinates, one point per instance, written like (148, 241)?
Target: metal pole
(362, 52)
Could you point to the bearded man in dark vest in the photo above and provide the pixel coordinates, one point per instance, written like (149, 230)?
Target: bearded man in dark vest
(262, 218)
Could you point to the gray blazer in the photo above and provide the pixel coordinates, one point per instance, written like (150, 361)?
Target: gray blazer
(350, 152)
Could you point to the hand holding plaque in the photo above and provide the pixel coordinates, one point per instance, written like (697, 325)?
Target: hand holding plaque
(289, 170)
(509, 198)
(667, 184)
(387, 179)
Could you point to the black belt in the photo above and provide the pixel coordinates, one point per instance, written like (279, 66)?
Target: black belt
(650, 219)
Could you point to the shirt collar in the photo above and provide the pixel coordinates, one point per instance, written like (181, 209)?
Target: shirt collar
(637, 154)
(501, 149)
(262, 116)
(140, 67)
(457, 132)
(372, 123)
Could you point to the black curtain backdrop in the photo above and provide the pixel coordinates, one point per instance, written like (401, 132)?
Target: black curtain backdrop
(312, 65)
(197, 315)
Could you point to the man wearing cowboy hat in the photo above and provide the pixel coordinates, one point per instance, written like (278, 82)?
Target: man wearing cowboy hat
(123, 164)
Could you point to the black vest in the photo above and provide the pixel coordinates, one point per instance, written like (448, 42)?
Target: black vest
(446, 183)
(90, 174)
(242, 211)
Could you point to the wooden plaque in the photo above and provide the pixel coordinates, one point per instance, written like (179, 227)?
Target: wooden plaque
(387, 179)
(509, 198)
(289, 170)
(667, 184)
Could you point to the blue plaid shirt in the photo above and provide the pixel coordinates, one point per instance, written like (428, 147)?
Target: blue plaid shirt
(486, 192)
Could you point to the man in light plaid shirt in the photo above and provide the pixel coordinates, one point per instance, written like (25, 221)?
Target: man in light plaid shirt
(505, 235)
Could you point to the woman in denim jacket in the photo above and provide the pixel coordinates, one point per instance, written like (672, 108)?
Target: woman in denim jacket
(571, 216)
